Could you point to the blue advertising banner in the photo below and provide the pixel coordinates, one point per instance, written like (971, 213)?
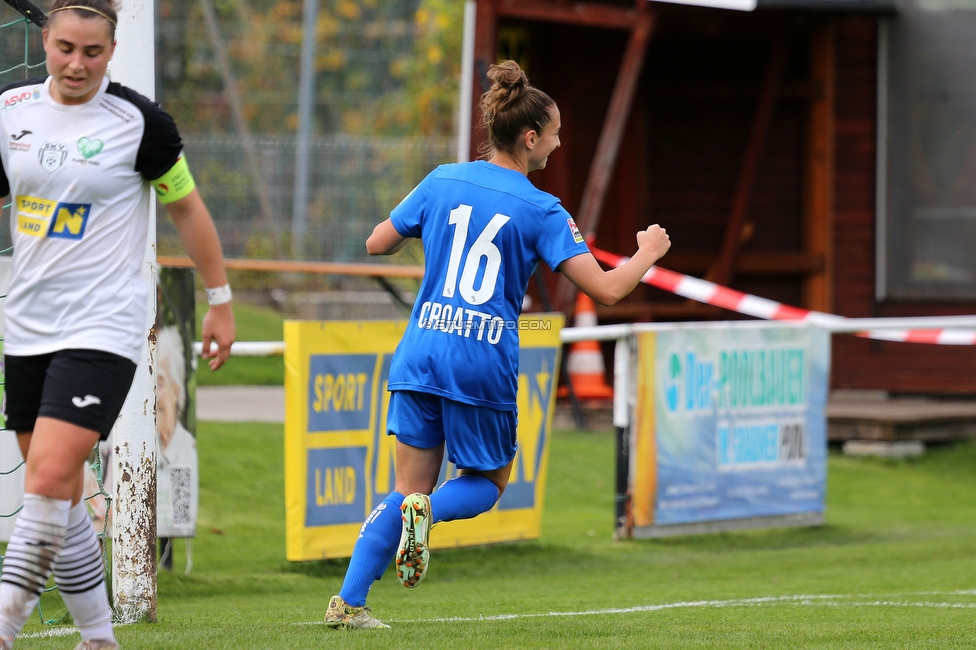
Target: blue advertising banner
(339, 391)
(730, 424)
(336, 492)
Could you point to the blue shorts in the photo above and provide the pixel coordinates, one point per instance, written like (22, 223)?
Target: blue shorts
(478, 438)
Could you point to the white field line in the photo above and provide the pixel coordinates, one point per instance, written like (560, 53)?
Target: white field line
(53, 632)
(824, 600)
(888, 603)
(740, 602)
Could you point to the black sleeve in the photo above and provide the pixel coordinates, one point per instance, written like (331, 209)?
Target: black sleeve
(4, 183)
(33, 81)
(161, 145)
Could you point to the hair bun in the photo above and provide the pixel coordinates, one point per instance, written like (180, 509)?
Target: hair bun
(507, 75)
(508, 83)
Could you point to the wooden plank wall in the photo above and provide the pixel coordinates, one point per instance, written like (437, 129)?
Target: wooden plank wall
(904, 368)
(682, 150)
(684, 145)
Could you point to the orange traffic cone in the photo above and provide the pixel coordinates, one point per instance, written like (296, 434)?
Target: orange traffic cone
(585, 361)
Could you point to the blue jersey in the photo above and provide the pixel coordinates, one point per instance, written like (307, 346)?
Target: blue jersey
(484, 229)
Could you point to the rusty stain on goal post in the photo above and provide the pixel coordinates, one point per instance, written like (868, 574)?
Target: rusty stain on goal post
(134, 553)
(134, 505)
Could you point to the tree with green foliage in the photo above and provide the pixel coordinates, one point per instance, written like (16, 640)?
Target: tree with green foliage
(382, 68)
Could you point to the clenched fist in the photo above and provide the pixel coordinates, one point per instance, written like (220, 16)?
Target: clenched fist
(654, 240)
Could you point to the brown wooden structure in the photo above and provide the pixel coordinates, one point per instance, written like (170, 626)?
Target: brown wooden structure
(751, 136)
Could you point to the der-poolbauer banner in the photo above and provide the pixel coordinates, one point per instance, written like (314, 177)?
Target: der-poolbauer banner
(729, 424)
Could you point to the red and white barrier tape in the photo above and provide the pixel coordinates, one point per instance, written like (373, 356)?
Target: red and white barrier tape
(743, 303)
(943, 336)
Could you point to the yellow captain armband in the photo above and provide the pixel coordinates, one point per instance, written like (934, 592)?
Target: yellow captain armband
(174, 184)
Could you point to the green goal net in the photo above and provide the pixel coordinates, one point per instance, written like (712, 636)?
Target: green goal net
(22, 57)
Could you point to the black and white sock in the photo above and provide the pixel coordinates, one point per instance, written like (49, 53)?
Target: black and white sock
(34, 547)
(80, 576)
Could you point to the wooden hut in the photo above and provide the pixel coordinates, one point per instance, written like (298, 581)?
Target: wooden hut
(752, 136)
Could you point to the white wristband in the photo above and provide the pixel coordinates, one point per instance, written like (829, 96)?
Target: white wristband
(219, 295)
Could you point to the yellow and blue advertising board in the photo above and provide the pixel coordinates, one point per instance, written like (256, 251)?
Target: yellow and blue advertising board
(339, 462)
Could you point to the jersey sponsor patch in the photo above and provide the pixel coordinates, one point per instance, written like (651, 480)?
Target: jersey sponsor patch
(19, 98)
(38, 217)
(577, 235)
(20, 141)
(89, 148)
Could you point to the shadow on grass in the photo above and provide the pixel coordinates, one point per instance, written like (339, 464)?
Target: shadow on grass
(333, 568)
(540, 558)
(523, 558)
(222, 584)
(766, 539)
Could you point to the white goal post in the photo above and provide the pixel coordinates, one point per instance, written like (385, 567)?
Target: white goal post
(134, 436)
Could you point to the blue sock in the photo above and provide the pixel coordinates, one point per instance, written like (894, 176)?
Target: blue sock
(463, 497)
(374, 550)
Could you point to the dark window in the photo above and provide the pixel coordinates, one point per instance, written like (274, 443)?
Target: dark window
(927, 151)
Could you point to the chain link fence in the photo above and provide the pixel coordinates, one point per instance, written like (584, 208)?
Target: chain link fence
(354, 182)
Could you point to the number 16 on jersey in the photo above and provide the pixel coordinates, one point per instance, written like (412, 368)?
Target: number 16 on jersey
(483, 247)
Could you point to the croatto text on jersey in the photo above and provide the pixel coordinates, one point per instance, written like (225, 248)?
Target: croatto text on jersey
(462, 322)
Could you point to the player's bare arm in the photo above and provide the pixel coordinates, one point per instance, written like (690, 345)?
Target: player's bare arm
(199, 237)
(385, 240)
(609, 287)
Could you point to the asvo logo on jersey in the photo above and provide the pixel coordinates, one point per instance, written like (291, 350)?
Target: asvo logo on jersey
(15, 100)
(43, 218)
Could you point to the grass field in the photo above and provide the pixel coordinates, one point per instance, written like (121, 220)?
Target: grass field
(893, 568)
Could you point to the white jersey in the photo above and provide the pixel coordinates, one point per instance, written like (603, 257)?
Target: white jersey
(78, 179)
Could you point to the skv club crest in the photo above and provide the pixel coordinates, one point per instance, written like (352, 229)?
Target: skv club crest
(52, 155)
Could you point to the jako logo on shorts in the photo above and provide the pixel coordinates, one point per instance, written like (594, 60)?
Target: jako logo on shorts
(339, 392)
